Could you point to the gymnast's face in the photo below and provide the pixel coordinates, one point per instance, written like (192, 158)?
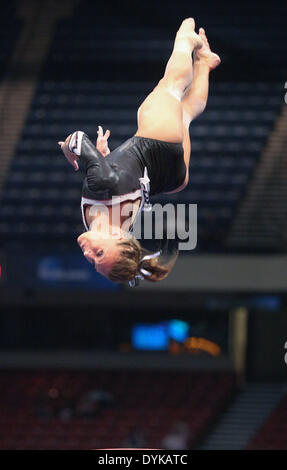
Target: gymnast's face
(101, 252)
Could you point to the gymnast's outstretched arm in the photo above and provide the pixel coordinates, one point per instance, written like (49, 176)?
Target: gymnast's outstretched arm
(100, 174)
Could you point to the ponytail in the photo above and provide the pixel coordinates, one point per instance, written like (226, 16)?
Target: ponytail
(151, 270)
(133, 264)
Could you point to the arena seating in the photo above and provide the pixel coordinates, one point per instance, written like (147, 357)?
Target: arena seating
(97, 75)
(272, 435)
(153, 403)
(10, 26)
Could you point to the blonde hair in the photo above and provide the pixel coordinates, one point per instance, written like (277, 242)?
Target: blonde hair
(130, 264)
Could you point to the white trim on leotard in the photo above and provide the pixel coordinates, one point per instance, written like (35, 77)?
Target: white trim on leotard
(75, 143)
(143, 193)
(110, 202)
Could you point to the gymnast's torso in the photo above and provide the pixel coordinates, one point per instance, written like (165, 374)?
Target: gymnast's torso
(138, 168)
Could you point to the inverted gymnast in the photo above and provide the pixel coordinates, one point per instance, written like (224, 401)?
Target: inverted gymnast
(155, 160)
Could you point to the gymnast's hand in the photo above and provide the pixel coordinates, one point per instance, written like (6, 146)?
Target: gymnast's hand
(102, 141)
(70, 156)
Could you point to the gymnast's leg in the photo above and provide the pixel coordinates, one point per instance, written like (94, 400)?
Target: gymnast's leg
(160, 115)
(195, 98)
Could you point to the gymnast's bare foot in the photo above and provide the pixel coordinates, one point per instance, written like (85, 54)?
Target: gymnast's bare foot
(187, 30)
(204, 53)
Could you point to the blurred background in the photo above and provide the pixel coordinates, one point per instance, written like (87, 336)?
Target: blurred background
(196, 361)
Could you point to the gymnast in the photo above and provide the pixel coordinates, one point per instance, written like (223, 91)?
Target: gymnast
(155, 160)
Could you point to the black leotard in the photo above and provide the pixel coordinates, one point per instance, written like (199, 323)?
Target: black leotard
(119, 172)
(136, 169)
